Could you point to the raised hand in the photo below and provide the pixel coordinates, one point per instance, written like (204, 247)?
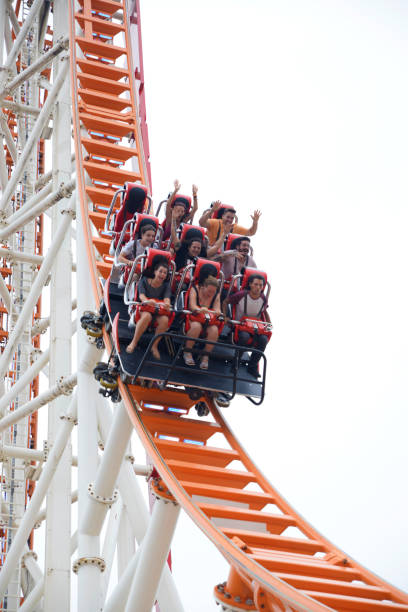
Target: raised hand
(256, 215)
(176, 186)
(216, 205)
(195, 190)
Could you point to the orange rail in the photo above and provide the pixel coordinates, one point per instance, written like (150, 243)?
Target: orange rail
(272, 568)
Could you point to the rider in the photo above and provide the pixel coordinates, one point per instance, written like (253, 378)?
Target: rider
(177, 207)
(153, 287)
(237, 257)
(192, 246)
(204, 299)
(251, 303)
(133, 248)
(137, 247)
(224, 223)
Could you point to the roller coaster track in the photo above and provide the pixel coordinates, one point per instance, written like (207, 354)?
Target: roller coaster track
(278, 562)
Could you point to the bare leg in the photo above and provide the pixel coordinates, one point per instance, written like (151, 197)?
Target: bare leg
(141, 326)
(193, 332)
(162, 326)
(212, 334)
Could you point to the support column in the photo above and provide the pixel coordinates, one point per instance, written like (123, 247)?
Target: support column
(153, 556)
(89, 577)
(58, 517)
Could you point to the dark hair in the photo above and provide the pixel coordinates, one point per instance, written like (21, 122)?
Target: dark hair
(144, 223)
(135, 200)
(237, 241)
(256, 277)
(206, 271)
(221, 211)
(148, 227)
(182, 253)
(158, 261)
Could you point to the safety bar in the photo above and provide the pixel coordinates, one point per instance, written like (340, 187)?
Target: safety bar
(107, 220)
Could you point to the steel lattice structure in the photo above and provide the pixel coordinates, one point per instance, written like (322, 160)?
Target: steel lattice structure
(73, 130)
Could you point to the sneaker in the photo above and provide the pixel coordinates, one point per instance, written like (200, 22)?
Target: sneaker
(223, 400)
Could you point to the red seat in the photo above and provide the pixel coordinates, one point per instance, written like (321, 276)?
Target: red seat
(230, 240)
(209, 318)
(134, 200)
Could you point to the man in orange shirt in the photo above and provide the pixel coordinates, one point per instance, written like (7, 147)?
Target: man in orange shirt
(224, 223)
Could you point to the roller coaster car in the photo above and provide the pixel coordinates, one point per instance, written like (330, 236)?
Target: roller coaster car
(134, 198)
(226, 373)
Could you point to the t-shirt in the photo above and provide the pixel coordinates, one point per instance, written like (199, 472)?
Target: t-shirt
(214, 230)
(157, 293)
(246, 305)
(127, 251)
(232, 265)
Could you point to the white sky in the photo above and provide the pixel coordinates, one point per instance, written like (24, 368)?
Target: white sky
(299, 108)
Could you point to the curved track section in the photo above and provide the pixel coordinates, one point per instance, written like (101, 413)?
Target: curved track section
(278, 561)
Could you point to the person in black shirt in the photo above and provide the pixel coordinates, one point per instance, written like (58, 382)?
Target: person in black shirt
(153, 287)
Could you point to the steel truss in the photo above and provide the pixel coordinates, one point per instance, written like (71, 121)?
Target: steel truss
(88, 93)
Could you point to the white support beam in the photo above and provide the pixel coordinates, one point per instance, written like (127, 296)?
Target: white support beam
(43, 179)
(110, 542)
(24, 380)
(28, 520)
(25, 214)
(138, 514)
(115, 448)
(13, 19)
(32, 201)
(5, 293)
(153, 556)
(21, 37)
(36, 132)
(29, 454)
(17, 256)
(37, 66)
(41, 325)
(119, 596)
(11, 145)
(23, 109)
(42, 514)
(36, 289)
(63, 387)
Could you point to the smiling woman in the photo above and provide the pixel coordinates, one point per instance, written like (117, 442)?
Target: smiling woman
(300, 109)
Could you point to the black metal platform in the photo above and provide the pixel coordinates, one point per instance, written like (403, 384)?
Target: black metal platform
(226, 373)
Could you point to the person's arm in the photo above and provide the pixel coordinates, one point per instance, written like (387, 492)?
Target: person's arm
(254, 226)
(207, 214)
(170, 201)
(213, 250)
(193, 211)
(217, 305)
(125, 253)
(192, 301)
(174, 238)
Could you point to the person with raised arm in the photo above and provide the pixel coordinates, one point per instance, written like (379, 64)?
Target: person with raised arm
(188, 250)
(224, 223)
(180, 206)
